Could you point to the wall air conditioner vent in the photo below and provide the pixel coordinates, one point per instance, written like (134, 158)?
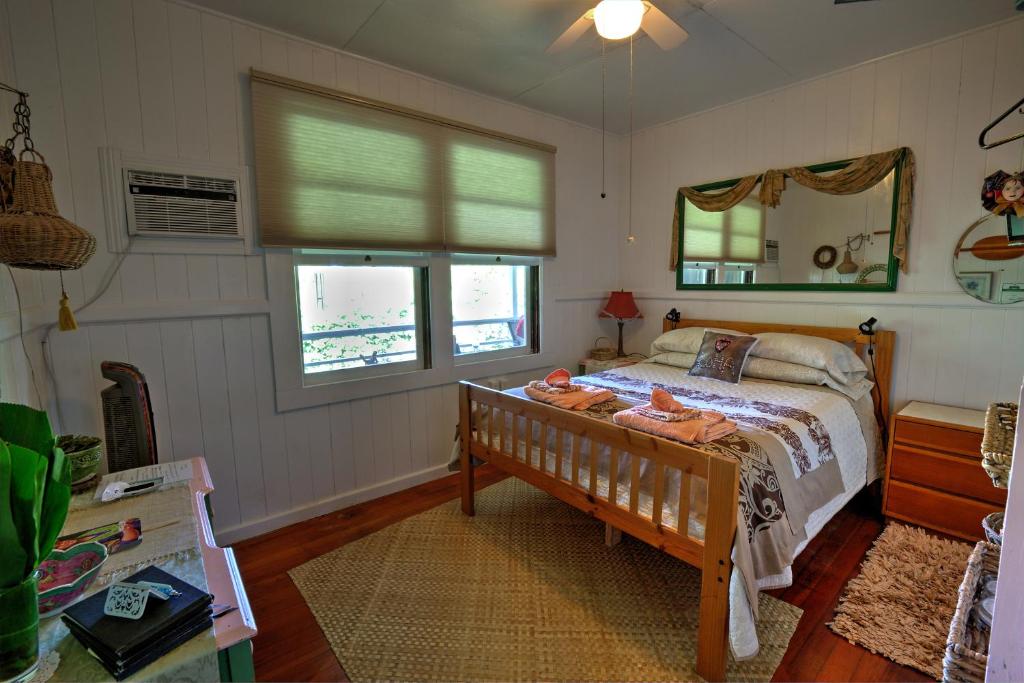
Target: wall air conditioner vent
(177, 205)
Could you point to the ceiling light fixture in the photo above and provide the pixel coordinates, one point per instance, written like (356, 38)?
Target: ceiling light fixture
(618, 19)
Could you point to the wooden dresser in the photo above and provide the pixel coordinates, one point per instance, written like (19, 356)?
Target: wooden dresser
(933, 475)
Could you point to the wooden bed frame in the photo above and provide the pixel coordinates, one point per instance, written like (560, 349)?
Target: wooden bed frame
(712, 554)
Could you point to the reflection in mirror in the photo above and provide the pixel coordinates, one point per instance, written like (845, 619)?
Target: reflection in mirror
(775, 248)
(987, 265)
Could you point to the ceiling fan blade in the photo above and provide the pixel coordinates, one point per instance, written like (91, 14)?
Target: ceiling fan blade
(662, 30)
(572, 33)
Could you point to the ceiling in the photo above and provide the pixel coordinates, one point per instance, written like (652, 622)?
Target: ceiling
(736, 48)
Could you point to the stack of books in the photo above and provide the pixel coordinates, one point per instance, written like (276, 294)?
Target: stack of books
(126, 645)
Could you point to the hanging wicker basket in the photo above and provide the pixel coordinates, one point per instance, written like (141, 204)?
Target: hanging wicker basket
(33, 234)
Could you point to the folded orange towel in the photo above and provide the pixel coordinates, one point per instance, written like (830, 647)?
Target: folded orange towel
(709, 427)
(557, 382)
(581, 399)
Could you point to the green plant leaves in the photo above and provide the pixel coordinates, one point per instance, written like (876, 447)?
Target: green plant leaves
(35, 491)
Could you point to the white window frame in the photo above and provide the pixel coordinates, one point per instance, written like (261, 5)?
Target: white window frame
(487, 260)
(293, 390)
(422, 360)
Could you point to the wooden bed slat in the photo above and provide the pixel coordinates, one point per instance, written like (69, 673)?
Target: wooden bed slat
(576, 459)
(528, 440)
(683, 516)
(515, 436)
(502, 436)
(592, 460)
(543, 445)
(613, 477)
(491, 413)
(634, 483)
(559, 452)
(659, 493)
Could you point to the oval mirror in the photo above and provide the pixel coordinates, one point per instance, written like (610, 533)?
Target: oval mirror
(987, 265)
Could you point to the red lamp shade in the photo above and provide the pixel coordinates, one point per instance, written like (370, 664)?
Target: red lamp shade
(620, 306)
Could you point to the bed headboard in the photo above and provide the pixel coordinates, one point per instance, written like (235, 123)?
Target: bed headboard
(885, 341)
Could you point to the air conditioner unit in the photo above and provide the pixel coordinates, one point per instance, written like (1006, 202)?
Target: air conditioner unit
(771, 251)
(158, 205)
(161, 204)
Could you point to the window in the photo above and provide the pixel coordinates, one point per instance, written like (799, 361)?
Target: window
(699, 273)
(354, 318)
(733, 235)
(493, 309)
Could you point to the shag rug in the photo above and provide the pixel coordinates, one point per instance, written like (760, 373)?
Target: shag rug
(524, 591)
(901, 603)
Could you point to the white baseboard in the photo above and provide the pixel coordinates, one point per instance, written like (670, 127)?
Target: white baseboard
(323, 506)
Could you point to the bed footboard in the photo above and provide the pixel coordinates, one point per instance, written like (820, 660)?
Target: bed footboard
(558, 452)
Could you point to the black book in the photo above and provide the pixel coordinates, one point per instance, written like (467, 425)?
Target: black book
(173, 637)
(123, 669)
(117, 639)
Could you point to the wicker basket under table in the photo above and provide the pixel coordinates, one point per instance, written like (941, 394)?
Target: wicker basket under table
(962, 664)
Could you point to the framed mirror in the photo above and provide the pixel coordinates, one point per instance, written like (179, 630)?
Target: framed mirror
(812, 241)
(989, 265)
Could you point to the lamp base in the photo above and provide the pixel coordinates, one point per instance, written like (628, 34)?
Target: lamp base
(621, 353)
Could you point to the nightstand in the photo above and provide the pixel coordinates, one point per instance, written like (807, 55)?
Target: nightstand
(933, 475)
(588, 366)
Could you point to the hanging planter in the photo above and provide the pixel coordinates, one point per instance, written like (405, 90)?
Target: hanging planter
(33, 234)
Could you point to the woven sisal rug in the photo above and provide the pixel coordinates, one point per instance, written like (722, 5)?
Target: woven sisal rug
(901, 603)
(524, 591)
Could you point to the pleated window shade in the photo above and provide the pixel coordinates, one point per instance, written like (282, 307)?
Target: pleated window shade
(336, 171)
(735, 235)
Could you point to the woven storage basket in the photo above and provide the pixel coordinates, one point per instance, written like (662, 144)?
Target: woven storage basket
(32, 233)
(603, 352)
(992, 523)
(997, 444)
(962, 663)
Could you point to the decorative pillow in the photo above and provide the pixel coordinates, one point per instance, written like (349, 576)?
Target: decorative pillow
(838, 360)
(722, 356)
(684, 340)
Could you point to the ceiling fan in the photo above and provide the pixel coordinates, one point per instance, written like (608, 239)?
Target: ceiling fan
(618, 19)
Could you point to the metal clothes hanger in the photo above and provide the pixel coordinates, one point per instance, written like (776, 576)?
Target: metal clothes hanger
(986, 129)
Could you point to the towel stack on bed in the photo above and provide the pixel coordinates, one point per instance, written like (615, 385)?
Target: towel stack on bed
(666, 417)
(556, 390)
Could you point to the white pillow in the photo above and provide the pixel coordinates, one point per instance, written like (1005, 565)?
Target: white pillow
(778, 370)
(685, 340)
(838, 360)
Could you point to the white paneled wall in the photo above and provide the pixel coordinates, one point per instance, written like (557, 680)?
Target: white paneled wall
(164, 78)
(935, 100)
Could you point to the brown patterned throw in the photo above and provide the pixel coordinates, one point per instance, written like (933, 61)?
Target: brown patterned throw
(722, 356)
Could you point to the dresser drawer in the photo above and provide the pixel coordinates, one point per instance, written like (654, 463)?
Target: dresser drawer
(950, 473)
(937, 510)
(939, 438)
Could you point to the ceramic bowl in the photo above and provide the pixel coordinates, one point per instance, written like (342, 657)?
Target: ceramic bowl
(65, 575)
(84, 452)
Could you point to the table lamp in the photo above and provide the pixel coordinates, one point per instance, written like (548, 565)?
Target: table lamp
(622, 307)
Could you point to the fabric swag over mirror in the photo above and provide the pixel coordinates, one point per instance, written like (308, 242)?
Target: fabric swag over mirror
(859, 175)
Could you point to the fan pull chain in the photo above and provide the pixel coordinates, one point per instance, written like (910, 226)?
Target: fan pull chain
(630, 237)
(604, 132)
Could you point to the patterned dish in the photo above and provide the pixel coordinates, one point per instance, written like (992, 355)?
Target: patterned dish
(65, 575)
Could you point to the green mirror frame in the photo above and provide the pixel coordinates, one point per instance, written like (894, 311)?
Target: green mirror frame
(892, 268)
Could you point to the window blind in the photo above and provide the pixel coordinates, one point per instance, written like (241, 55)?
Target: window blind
(338, 171)
(735, 235)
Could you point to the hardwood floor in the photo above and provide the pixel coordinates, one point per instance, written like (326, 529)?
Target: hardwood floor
(291, 647)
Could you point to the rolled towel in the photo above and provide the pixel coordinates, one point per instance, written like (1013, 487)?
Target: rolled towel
(557, 382)
(666, 409)
(581, 399)
(701, 430)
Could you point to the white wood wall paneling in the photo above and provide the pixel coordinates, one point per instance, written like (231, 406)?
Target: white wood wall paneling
(934, 100)
(168, 79)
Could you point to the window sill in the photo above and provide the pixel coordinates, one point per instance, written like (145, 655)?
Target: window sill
(358, 388)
